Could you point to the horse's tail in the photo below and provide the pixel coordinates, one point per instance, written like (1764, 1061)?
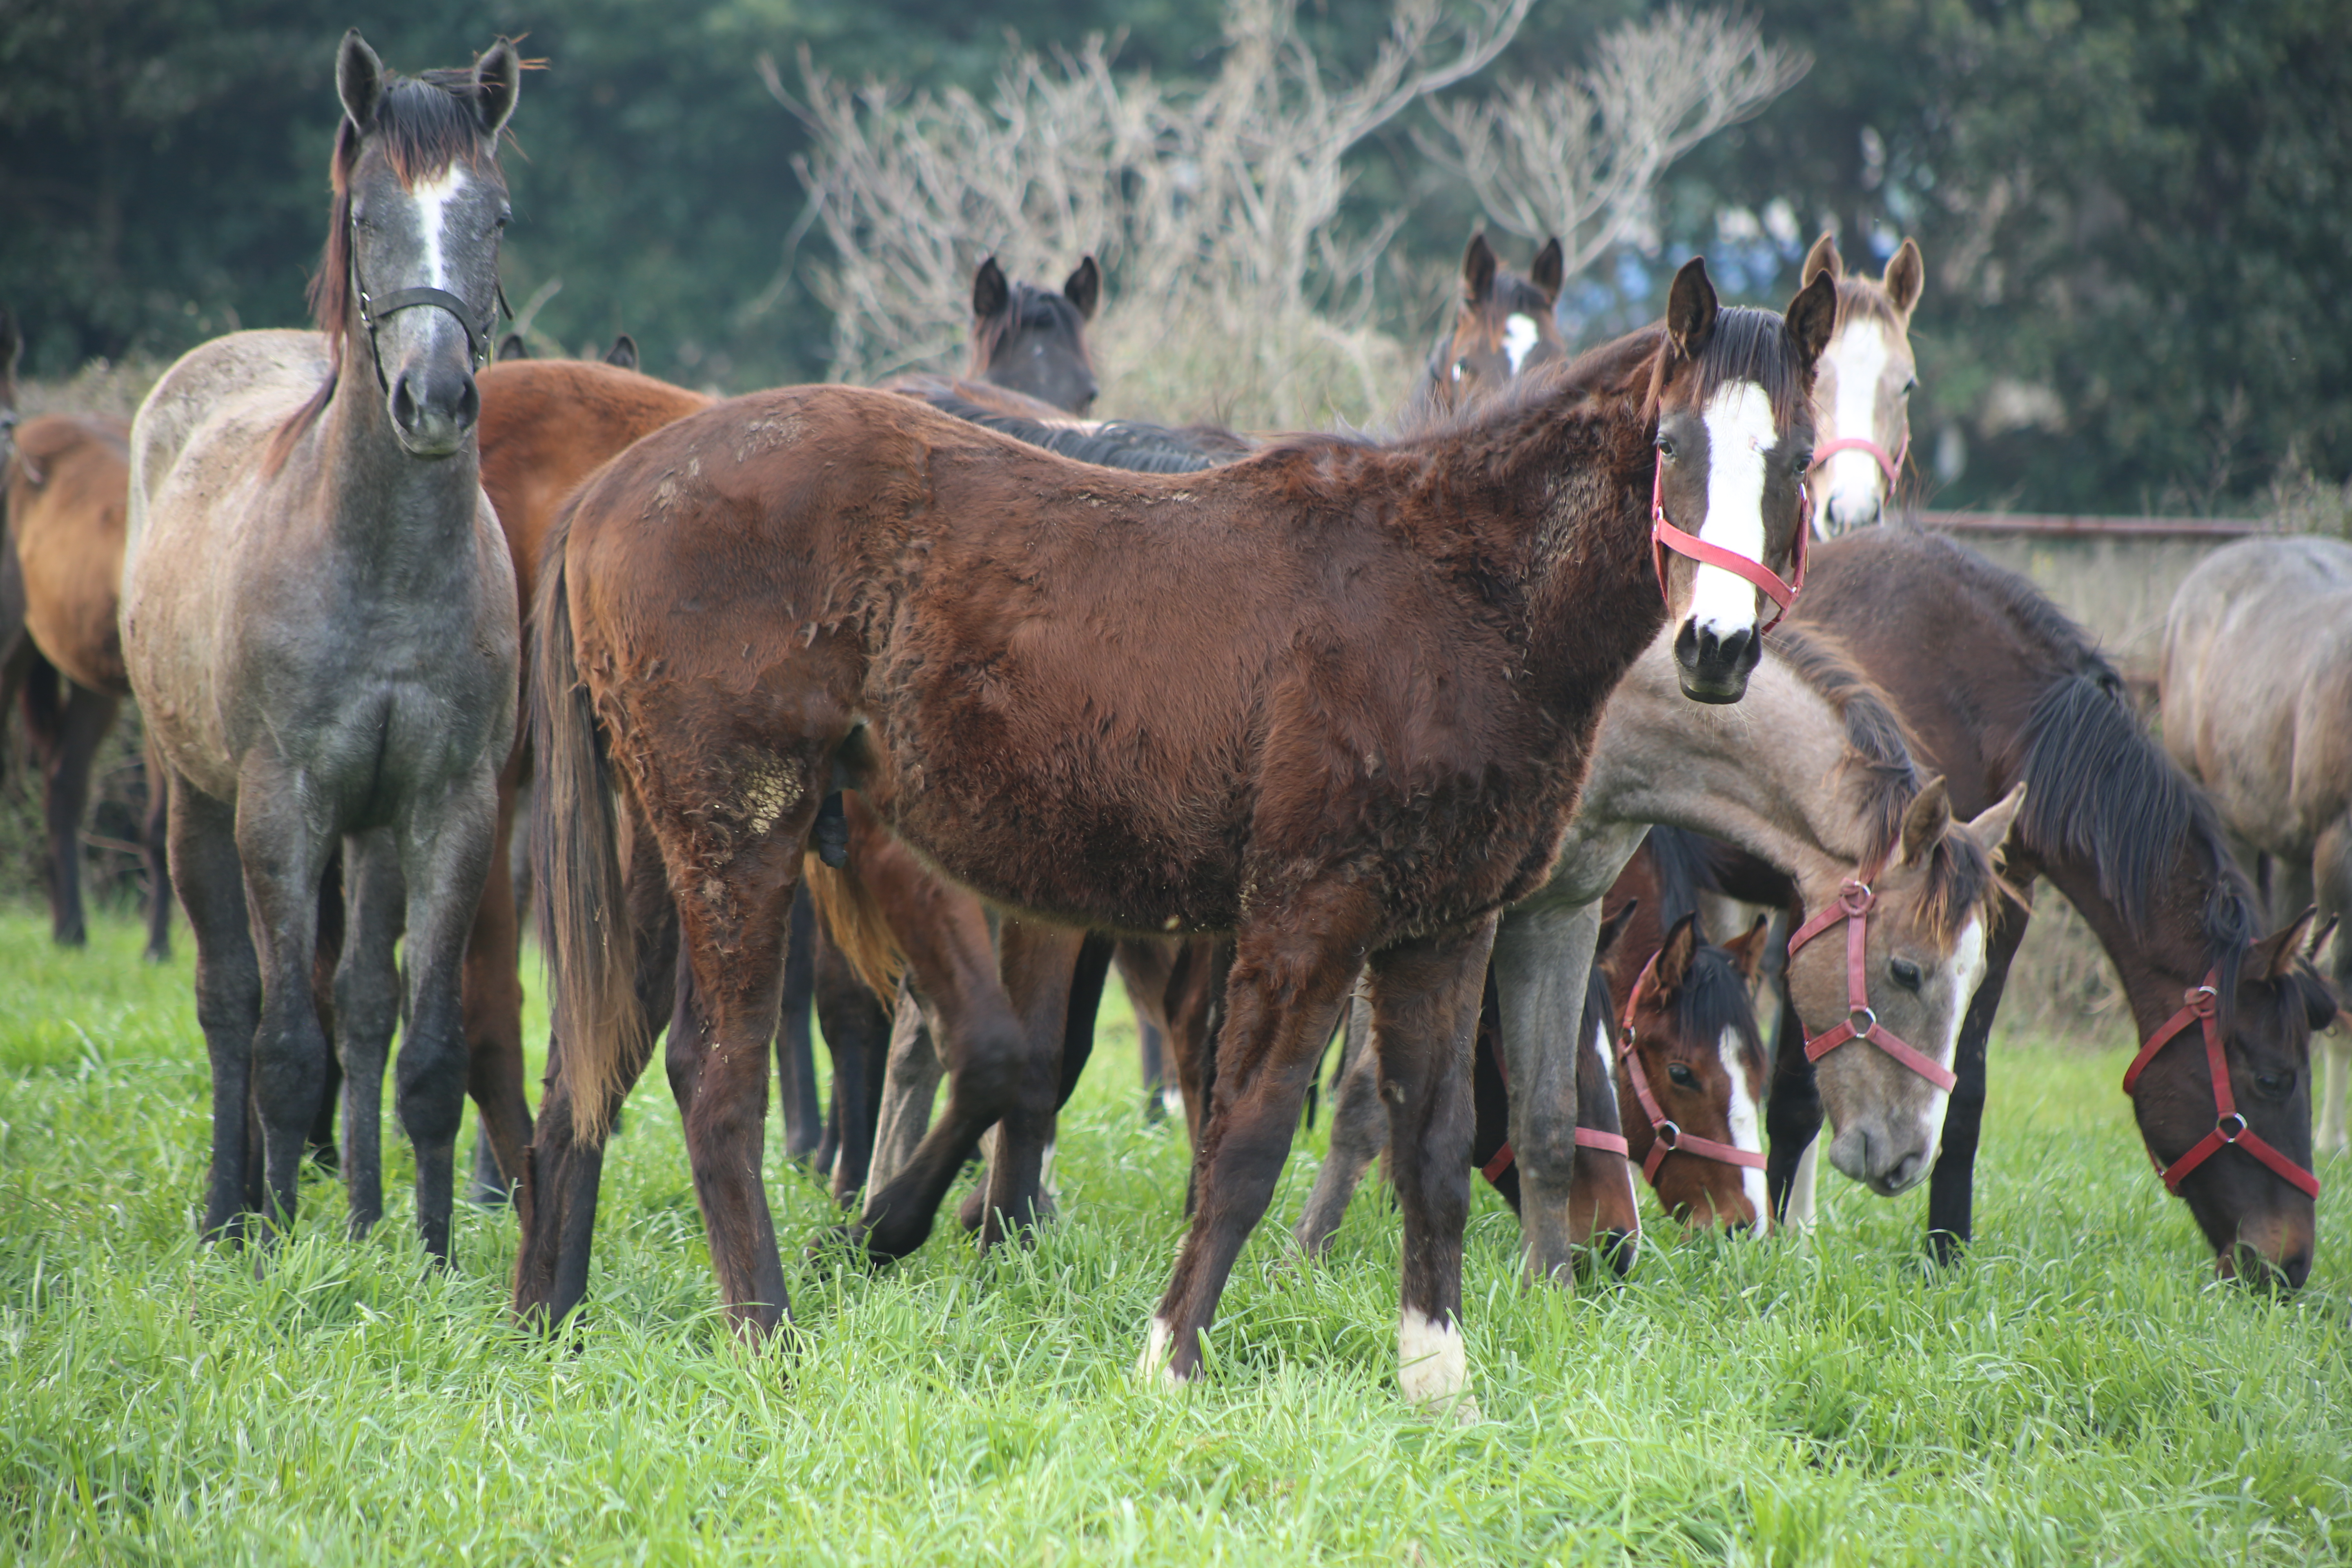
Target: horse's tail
(581, 892)
(853, 918)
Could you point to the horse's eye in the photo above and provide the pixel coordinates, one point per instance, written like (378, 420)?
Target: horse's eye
(2276, 1085)
(1682, 1076)
(1459, 366)
(1909, 387)
(1666, 448)
(1906, 973)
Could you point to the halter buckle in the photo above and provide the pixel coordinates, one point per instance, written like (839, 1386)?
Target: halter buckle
(1669, 1133)
(2201, 1000)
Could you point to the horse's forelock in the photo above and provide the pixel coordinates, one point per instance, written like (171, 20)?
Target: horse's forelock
(1714, 996)
(1752, 345)
(1865, 300)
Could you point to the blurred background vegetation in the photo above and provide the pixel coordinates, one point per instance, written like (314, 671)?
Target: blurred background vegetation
(2135, 212)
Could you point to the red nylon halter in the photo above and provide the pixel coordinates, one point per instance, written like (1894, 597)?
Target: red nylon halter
(1586, 1138)
(2203, 1004)
(1665, 536)
(1891, 466)
(1666, 1136)
(1854, 906)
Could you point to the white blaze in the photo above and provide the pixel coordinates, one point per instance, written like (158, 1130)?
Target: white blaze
(1739, 430)
(1853, 484)
(433, 198)
(1747, 1134)
(1520, 338)
(1967, 967)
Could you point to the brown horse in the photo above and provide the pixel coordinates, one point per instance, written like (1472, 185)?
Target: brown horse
(63, 491)
(1862, 398)
(1033, 340)
(2001, 690)
(1354, 751)
(2256, 687)
(1502, 327)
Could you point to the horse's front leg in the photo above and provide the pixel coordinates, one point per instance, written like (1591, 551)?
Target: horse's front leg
(211, 886)
(1290, 976)
(1542, 956)
(1040, 964)
(154, 841)
(65, 766)
(367, 1009)
(1358, 1131)
(1426, 996)
(1951, 1188)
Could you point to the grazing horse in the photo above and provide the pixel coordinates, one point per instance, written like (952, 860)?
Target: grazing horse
(1502, 327)
(1862, 398)
(319, 618)
(1033, 340)
(2256, 688)
(63, 491)
(2002, 689)
(1352, 752)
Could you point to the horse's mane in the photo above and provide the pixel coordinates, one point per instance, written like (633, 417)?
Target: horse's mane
(423, 123)
(1112, 444)
(1881, 758)
(1032, 306)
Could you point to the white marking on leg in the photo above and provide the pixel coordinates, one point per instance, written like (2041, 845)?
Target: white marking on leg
(1521, 336)
(1740, 431)
(1159, 1346)
(1803, 1187)
(1853, 486)
(1746, 1132)
(1172, 1100)
(1432, 1366)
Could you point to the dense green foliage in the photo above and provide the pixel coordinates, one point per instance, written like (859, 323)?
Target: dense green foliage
(2079, 1391)
(2135, 211)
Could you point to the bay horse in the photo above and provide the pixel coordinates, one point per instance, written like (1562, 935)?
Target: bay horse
(1355, 751)
(1503, 326)
(1032, 340)
(63, 491)
(1862, 397)
(319, 618)
(2001, 690)
(2256, 693)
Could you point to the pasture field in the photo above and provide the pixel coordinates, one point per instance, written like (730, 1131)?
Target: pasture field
(2078, 1391)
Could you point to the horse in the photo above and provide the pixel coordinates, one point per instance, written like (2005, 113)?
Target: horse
(1356, 752)
(1033, 340)
(623, 353)
(320, 622)
(1815, 775)
(1503, 326)
(1862, 399)
(2000, 689)
(63, 489)
(2256, 693)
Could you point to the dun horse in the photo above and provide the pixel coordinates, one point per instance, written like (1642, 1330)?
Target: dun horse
(319, 618)
(1355, 749)
(1862, 400)
(2257, 695)
(2001, 690)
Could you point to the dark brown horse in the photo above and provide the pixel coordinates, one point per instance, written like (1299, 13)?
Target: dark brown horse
(1033, 340)
(2001, 688)
(1502, 327)
(1353, 750)
(64, 487)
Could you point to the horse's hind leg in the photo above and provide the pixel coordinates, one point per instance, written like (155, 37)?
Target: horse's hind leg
(910, 1086)
(1358, 1131)
(153, 840)
(795, 1043)
(1052, 977)
(367, 1010)
(492, 1002)
(1426, 999)
(83, 723)
(858, 1035)
(445, 861)
(211, 886)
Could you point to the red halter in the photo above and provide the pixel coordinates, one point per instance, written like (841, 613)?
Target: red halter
(1853, 906)
(2203, 1004)
(1665, 536)
(1667, 1138)
(1586, 1137)
(1891, 466)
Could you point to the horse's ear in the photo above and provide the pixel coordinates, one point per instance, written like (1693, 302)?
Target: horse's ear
(1691, 308)
(1747, 950)
(1083, 288)
(358, 79)
(1991, 827)
(1549, 271)
(1477, 271)
(1812, 317)
(990, 292)
(1674, 958)
(2319, 938)
(512, 346)
(498, 83)
(2274, 957)
(1822, 257)
(623, 353)
(1929, 818)
(1613, 928)
(1905, 279)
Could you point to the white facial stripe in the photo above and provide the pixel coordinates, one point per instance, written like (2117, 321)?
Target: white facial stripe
(1519, 339)
(1858, 356)
(1431, 1363)
(433, 199)
(1967, 967)
(1740, 431)
(1746, 1128)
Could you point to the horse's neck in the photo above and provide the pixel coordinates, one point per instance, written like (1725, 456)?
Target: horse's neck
(1763, 773)
(386, 514)
(2159, 963)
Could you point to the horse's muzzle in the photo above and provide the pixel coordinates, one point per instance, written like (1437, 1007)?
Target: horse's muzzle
(1714, 669)
(433, 408)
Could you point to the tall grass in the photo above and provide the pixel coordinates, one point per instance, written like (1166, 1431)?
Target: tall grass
(2078, 1391)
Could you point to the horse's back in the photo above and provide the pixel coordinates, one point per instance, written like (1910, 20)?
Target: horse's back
(66, 503)
(205, 424)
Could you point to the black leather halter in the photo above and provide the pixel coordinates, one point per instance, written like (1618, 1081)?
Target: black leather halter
(374, 310)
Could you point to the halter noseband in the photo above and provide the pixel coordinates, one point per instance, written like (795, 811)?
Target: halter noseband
(2203, 1004)
(1854, 906)
(374, 310)
(1665, 536)
(1890, 467)
(1666, 1136)
(1586, 1138)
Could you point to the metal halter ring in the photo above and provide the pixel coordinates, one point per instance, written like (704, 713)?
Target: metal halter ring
(2201, 1000)
(2231, 1134)
(1856, 899)
(1669, 1133)
(1861, 1020)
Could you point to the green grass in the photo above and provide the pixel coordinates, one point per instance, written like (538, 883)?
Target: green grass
(2079, 1391)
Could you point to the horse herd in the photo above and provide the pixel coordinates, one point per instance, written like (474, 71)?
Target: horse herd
(1410, 740)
